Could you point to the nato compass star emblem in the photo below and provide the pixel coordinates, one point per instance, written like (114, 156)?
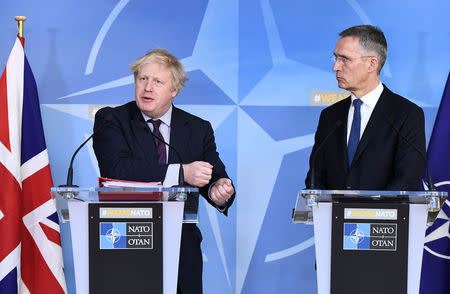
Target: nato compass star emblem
(438, 235)
(357, 236)
(113, 235)
(243, 104)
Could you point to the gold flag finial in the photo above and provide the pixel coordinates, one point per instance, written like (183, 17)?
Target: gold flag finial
(20, 20)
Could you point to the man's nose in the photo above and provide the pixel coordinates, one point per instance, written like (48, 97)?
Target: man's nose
(336, 66)
(149, 86)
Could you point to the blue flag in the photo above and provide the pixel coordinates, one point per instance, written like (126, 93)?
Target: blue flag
(435, 278)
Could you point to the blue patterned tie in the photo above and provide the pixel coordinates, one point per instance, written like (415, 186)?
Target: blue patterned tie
(160, 146)
(355, 131)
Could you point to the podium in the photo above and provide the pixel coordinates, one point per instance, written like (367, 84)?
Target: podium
(126, 240)
(368, 241)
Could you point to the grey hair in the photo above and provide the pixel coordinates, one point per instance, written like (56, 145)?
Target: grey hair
(371, 39)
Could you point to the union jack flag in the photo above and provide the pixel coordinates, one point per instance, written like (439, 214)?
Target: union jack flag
(30, 246)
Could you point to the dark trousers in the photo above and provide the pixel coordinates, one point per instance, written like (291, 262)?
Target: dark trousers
(191, 262)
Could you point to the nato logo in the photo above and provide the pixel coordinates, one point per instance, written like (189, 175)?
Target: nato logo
(113, 235)
(126, 235)
(364, 236)
(356, 236)
(438, 235)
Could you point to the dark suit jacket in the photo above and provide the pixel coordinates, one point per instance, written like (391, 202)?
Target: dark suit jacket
(383, 159)
(125, 150)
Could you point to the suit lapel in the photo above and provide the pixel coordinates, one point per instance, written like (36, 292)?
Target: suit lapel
(179, 135)
(374, 122)
(142, 135)
(342, 132)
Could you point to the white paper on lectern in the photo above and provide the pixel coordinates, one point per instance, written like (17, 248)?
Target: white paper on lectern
(79, 229)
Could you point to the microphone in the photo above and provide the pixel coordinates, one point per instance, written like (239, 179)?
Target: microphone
(69, 180)
(429, 177)
(313, 156)
(181, 172)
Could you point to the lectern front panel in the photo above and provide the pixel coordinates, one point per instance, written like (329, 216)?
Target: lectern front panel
(369, 250)
(125, 248)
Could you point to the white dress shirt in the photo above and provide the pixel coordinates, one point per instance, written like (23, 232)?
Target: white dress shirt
(173, 169)
(369, 101)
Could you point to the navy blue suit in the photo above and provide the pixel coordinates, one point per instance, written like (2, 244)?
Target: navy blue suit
(126, 150)
(383, 159)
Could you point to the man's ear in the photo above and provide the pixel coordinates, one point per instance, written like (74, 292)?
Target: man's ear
(373, 64)
(174, 93)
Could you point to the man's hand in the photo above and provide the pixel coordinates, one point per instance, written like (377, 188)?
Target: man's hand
(221, 191)
(197, 173)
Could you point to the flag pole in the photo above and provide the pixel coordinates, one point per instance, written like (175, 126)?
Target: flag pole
(20, 20)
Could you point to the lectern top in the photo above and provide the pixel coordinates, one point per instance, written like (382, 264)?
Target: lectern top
(308, 198)
(413, 197)
(93, 194)
(326, 194)
(67, 195)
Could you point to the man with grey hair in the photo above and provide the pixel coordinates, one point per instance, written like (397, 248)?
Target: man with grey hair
(374, 139)
(126, 150)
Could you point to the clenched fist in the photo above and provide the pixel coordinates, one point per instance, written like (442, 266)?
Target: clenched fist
(221, 191)
(197, 173)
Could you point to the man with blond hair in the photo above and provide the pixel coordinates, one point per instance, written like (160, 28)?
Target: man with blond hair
(126, 150)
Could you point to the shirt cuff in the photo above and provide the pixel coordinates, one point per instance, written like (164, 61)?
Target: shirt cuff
(172, 173)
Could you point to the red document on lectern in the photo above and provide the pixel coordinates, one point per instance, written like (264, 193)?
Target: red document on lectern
(124, 195)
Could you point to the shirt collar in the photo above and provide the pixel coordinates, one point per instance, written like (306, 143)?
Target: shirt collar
(166, 118)
(372, 97)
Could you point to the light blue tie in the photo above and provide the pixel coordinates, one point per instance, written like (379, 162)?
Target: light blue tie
(355, 131)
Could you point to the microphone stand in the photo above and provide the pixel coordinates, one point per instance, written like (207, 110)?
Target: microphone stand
(68, 192)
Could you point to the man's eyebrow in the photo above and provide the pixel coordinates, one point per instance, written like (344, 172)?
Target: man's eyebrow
(340, 55)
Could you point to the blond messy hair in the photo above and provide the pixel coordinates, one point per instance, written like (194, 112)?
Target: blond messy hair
(163, 57)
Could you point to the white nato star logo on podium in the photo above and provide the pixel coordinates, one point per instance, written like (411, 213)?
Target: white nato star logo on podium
(113, 235)
(357, 236)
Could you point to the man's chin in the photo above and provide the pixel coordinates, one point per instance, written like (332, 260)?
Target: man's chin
(145, 105)
(145, 109)
(342, 85)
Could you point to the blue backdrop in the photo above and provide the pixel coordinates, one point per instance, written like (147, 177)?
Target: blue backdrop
(252, 66)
